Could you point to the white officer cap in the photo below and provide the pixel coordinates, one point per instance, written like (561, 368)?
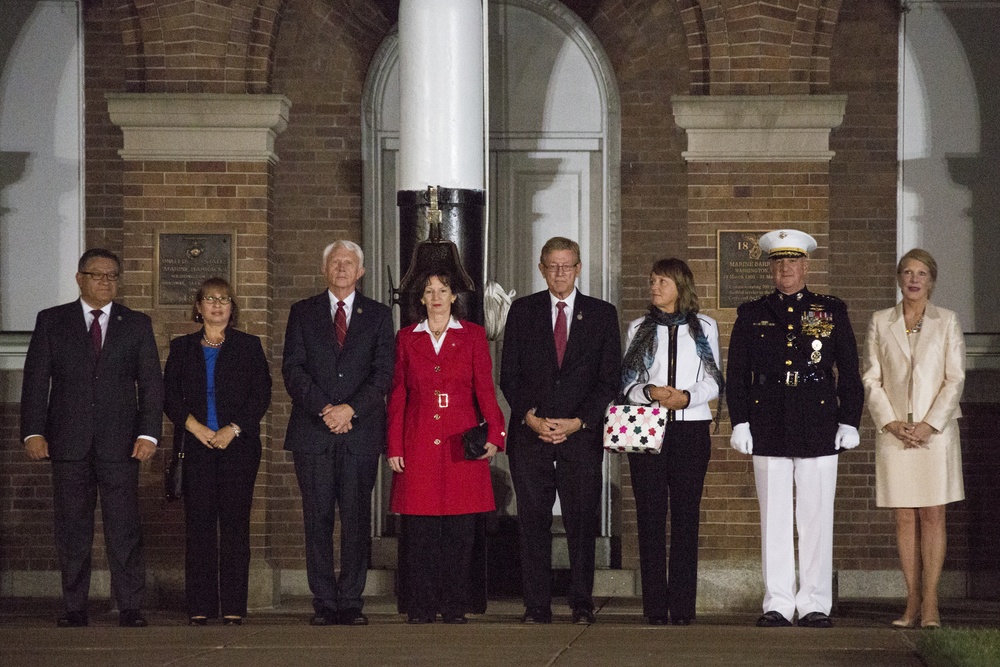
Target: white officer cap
(787, 243)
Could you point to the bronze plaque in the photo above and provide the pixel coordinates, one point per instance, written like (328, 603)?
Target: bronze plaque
(744, 273)
(185, 261)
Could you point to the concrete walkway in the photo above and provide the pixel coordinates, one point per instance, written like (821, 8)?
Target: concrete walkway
(620, 638)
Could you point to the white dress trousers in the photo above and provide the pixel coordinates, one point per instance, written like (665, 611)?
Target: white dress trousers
(807, 487)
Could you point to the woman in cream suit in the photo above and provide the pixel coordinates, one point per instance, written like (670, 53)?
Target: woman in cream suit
(914, 373)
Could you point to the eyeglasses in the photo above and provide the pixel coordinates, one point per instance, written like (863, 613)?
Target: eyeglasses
(224, 300)
(560, 268)
(101, 277)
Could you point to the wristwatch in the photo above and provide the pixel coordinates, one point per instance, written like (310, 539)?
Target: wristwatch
(236, 429)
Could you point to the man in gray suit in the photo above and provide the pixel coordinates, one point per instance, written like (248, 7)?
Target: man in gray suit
(338, 362)
(92, 403)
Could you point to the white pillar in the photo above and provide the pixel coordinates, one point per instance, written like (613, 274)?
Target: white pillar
(441, 94)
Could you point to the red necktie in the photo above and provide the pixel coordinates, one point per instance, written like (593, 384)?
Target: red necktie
(340, 323)
(560, 332)
(95, 331)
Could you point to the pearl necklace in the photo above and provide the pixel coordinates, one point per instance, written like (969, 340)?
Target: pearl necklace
(211, 344)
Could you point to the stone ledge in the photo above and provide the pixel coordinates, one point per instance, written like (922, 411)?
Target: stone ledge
(758, 128)
(198, 127)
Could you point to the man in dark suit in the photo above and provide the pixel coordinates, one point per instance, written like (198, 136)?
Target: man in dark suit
(560, 369)
(338, 362)
(795, 398)
(92, 403)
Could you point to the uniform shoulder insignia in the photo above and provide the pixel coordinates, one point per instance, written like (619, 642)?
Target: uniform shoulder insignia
(828, 297)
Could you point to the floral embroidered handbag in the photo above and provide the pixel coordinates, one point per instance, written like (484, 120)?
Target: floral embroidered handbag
(634, 428)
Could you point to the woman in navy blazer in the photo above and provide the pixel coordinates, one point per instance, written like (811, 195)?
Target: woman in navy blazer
(218, 387)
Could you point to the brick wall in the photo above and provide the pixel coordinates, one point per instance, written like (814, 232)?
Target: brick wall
(862, 254)
(319, 59)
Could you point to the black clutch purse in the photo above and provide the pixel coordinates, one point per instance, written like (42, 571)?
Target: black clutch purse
(173, 479)
(474, 441)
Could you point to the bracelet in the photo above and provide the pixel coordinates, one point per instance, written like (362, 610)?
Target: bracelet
(645, 392)
(688, 394)
(236, 429)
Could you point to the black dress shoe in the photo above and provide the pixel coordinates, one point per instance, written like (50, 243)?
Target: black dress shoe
(232, 620)
(324, 617)
(537, 615)
(415, 619)
(73, 619)
(680, 620)
(351, 617)
(658, 619)
(815, 619)
(198, 620)
(454, 619)
(583, 615)
(131, 618)
(773, 619)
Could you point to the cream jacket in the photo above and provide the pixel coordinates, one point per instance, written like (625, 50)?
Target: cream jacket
(938, 368)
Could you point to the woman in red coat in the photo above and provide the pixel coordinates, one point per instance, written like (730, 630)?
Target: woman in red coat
(443, 382)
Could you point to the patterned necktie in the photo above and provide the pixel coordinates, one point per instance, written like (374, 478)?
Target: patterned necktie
(560, 332)
(340, 323)
(95, 331)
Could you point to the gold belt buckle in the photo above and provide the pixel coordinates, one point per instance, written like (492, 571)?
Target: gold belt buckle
(442, 400)
(792, 378)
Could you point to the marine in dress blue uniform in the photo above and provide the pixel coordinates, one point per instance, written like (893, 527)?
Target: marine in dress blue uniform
(795, 400)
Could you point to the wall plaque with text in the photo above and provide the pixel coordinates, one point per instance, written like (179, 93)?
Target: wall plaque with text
(185, 261)
(744, 271)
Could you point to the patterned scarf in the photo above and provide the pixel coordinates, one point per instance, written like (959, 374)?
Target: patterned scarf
(640, 354)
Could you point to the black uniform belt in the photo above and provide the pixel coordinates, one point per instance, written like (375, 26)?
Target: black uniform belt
(792, 378)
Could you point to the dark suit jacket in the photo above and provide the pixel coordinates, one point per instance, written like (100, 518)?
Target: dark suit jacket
(587, 382)
(810, 336)
(317, 373)
(242, 385)
(77, 400)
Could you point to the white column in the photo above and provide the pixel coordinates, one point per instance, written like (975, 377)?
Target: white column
(441, 94)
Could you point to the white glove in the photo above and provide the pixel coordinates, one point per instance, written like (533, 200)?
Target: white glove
(847, 437)
(741, 440)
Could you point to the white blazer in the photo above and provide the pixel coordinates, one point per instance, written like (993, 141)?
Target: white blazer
(691, 373)
(918, 476)
(938, 368)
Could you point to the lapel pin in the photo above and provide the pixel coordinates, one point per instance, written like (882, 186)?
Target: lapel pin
(579, 316)
(359, 310)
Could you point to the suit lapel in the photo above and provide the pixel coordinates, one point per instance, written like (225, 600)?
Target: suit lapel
(357, 325)
(930, 330)
(76, 325)
(577, 329)
(544, 333)
(897, 328)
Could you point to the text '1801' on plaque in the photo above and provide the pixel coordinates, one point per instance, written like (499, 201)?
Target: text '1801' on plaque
(744, 273)
(185, 261)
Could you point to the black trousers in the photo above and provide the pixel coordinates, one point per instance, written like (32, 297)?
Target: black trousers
(75, 487)
(537, 478)
(672, 479)
(218, 494)
(328, 480)
(438, 554)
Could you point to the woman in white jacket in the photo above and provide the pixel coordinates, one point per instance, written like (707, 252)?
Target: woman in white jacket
(914, 374)
(672, 361)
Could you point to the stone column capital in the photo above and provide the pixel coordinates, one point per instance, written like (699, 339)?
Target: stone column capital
(198, 126)
(758, 128)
